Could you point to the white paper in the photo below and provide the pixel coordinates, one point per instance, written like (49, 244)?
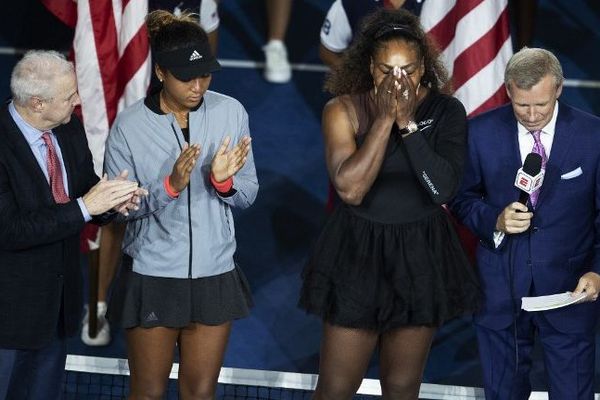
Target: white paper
(541, 303)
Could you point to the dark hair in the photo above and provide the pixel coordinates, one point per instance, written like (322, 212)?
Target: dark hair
(353, 75)
(169, 32)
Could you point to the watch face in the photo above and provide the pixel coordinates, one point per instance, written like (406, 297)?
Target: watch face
(412, 126)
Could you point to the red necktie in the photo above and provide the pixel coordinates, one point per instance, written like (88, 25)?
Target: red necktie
(54, 171)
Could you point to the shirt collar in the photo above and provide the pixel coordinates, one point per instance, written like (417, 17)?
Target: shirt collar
(152, 101)
(548, 129)
(32, 135)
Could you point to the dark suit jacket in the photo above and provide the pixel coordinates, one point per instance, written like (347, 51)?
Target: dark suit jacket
(563, 242)
(39, 239)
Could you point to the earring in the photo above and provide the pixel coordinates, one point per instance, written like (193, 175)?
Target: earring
(417, 91)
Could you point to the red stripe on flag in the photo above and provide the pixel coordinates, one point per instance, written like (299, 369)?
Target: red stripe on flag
(497, 99)
(105, 38)
(482, 52)
(64, 10)
(132, 59)
(444, 31)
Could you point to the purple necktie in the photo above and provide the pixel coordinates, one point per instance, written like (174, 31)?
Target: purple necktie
(538, 148)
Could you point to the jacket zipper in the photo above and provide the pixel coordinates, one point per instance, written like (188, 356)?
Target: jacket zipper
(189, 198)
(189, 206)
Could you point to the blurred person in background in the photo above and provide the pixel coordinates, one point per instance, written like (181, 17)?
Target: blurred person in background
(277, 66)
(343, 19)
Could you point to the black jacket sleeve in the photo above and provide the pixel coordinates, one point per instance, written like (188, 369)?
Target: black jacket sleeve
(439, 164)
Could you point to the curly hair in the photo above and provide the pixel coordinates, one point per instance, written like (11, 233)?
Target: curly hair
(353, 75)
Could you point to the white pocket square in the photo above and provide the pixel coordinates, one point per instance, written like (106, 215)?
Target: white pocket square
(572, 174)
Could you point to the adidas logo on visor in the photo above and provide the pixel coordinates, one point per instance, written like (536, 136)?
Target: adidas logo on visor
(195, 56)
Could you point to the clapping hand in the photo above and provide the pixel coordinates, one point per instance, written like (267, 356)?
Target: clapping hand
(227, 163)
(184, 165)
(134, 201)
(108, 194)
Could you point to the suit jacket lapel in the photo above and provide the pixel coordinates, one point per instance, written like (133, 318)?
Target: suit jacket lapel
(510, 138)
(563, 138)
(67, 156)
(17, 142)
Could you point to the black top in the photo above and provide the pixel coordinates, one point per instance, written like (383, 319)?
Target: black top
(420, 172)
(152, 101)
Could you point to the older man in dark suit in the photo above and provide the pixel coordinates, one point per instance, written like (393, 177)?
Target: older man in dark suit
(48, 190)
(548, 246)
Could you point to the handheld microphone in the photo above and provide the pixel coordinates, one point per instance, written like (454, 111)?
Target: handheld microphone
(529, 177)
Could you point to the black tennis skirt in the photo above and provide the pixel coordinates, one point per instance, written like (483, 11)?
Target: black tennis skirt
(147, 301)
(370, 275)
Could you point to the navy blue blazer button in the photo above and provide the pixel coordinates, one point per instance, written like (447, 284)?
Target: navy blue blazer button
(59, 276)
(535, 229)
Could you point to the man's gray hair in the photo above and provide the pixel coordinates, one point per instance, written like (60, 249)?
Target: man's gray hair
(528, 66)
(36, 73)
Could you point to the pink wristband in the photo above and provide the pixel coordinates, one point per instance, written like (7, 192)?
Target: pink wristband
(169, 189)
(222, 187)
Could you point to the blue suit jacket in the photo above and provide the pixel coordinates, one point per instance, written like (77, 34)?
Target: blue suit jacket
(563, 241)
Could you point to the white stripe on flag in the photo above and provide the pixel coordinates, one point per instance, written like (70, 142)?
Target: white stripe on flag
(117, 6)
(137, 86)
(434, 11)
(471, 28)
(133, 19)
(486, 82)
(90, 85)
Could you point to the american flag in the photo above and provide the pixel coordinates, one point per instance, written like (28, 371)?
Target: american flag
(112, 60)
(474, 37)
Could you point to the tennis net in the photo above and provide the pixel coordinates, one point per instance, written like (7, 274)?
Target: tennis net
(99, 378)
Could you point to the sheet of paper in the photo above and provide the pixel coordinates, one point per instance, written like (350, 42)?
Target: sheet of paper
(541, 303)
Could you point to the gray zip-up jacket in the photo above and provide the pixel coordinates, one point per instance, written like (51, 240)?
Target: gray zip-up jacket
(193, 235)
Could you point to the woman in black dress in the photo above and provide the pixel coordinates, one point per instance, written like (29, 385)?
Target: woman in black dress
(388, 269)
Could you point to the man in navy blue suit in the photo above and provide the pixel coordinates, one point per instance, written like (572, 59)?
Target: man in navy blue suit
(551, 245)
(48, 190)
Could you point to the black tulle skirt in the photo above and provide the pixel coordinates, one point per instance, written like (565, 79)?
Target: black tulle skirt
(370, 275)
